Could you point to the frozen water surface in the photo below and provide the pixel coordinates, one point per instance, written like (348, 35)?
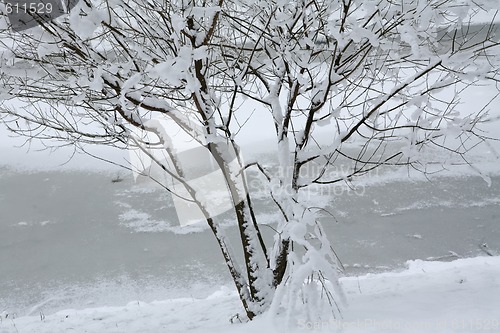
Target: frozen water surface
(73, 239)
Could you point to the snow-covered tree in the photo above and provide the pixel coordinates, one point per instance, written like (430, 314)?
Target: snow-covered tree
(326, 73)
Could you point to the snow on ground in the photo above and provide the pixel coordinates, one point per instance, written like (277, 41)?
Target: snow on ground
(430, 297)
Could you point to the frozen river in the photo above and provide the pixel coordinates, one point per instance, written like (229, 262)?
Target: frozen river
(71, 239)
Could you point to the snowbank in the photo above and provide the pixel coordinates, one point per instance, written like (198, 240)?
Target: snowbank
(458, 296)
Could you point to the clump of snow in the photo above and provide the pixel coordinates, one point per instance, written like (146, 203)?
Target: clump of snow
(31, 224)
(138, 221)
(438, 297)
(142, 222)
(429, 203)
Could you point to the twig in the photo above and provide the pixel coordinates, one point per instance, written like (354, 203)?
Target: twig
(484, 247)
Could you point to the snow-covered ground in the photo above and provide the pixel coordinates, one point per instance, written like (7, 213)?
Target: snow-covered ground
(457, 296)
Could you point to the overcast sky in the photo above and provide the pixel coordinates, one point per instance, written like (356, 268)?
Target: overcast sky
(258, 130)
